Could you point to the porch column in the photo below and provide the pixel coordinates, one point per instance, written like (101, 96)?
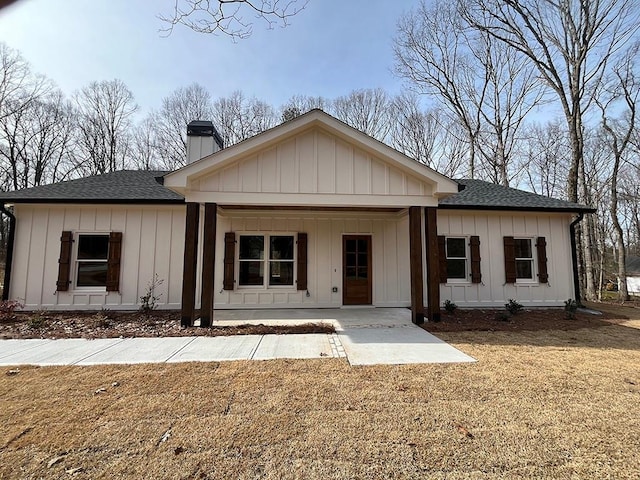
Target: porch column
(208, 263)
(190, 264)
(433, 273)
(416, 266)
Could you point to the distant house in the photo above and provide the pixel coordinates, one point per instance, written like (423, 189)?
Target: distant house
(309, 214)
(633, 274)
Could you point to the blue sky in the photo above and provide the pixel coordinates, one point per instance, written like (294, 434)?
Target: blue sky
(330, 48)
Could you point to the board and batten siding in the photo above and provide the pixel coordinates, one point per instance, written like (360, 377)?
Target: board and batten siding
(318, 163)
(491, 228)
(152, 242)
(390, 257)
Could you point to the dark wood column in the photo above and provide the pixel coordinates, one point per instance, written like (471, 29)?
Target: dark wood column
(208, 263)
(190, 264)
(416, 265)
(433, 270)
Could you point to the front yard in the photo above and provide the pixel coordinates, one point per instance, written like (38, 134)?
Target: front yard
(538, 404)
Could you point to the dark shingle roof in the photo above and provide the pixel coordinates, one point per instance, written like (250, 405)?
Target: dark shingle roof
(481, 195)
(633, 265)
(125, 186)
(141, 186)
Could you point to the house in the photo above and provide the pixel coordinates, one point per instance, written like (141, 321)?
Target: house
(309, 214)
(633, 274)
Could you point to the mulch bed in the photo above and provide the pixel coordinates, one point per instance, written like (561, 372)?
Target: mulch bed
(131, 324)
(528, 319)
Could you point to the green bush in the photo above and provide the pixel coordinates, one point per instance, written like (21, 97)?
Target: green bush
(570, 308)
(449, 306)
(513, 307)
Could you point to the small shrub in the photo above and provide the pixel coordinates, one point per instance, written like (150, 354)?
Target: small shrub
(502, 316)
(8, 308)
(449, 306)
(513, 307)
(149, 301)
(570, 308)
(38, 320)
(100, 320)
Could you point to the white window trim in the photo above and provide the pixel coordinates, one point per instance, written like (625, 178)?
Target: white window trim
(534, 261)
(467, 263)
(265, 285)
(76, 262)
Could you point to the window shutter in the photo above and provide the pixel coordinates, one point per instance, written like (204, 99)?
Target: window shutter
(541, 246)
(64, 262)
(476, 276)
(302, 261)
(442, 259)
(113, 263)
(509, 260)
(229, 259)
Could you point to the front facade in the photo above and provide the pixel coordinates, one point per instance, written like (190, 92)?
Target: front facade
(309, 214)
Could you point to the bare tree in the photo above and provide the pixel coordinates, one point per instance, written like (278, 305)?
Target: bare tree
(431, 52)
(619, 94)
(178, 109)
(368, 110)
(228, 16)
(144, 150)
(238, 118)
(105, 111)
(546, 158)
(569, 42)
(300, 104)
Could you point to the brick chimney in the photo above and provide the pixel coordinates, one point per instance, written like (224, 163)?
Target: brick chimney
(202, 140)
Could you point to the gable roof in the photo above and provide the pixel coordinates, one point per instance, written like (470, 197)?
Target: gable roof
(632, 265)
(481, 195)
(181, 179)
(125, 186)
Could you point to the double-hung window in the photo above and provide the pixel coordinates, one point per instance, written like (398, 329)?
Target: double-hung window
(524, 258)
(91, 260)
(457, 258)
(266, 260)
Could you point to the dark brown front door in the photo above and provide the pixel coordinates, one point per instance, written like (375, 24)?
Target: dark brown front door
(356, 268)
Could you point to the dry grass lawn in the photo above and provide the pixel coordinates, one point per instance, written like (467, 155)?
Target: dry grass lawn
(538, 404)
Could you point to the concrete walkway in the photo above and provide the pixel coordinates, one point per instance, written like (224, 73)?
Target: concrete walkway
(366, 336)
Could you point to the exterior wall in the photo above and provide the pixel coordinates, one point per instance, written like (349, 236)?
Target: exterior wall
(152, 242)
(633, 285)
(491, 227)
(390, 257)
(316, 163)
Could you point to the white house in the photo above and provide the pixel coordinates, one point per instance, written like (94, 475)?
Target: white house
(309, 214)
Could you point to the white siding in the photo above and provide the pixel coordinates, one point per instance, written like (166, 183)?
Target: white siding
(152, 242)
(390, 243)
(314, 162)
(491, 228)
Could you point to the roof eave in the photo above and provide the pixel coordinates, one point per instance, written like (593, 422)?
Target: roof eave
(512, 208)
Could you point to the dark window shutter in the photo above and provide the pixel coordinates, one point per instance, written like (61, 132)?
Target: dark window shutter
(509, 260)
(541, 246)
(442, 259)
(302, 261)
(113, 263)
(476, 276)
(229, 259)
(64, 262)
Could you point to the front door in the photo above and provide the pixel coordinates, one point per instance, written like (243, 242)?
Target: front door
(356, 270)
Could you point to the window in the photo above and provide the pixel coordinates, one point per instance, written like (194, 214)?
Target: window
(269, 256)
(456, 254)
(524, 258)
(93, 253)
